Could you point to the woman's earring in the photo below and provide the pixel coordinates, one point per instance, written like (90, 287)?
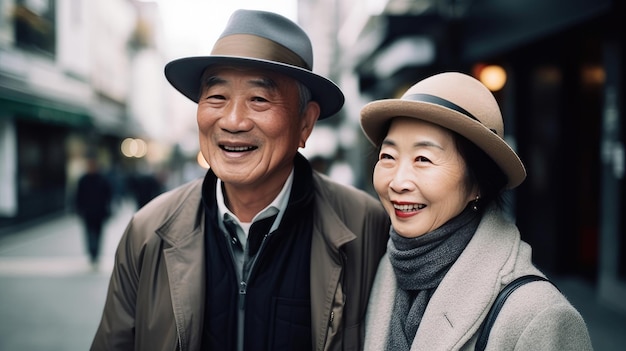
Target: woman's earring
(475, 203)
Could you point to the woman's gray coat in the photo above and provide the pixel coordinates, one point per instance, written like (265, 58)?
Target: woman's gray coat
(535, 317)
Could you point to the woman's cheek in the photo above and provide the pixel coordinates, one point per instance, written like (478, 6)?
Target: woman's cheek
(380, 182)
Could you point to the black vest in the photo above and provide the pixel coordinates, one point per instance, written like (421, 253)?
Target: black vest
(277, 301)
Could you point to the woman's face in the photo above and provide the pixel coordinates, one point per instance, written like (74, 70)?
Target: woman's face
(420, 177)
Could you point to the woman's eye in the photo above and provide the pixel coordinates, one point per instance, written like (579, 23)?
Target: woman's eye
(218, 97)
(421, 159)
(385, 157)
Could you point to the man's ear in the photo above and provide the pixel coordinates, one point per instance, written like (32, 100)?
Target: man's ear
(309, 117)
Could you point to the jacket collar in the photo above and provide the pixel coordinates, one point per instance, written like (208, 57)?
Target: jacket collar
(186, 218)
(333, 229)
(462, 299)
(183, 231)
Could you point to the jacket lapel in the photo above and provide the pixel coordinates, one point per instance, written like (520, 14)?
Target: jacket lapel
(184, 258)
(462, 300)
(326, 268)
(379, 313)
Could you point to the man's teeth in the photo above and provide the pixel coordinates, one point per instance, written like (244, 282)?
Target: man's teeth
(412, 207)
(238, 148)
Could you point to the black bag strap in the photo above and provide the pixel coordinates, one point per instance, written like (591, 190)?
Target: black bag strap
(485, 327)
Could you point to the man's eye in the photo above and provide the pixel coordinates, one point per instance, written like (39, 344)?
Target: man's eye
(218, 97)
(421, 159)
(385, 157)
(259, 99)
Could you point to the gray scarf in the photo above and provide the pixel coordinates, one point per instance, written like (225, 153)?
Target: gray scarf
(420, 264)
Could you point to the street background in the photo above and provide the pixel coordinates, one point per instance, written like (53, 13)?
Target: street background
(85, 77)
(51, 298)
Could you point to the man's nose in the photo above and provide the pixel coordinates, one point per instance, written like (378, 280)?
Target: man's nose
(236, 117)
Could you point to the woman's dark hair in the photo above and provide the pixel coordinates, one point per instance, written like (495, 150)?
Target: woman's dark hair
(483, 171)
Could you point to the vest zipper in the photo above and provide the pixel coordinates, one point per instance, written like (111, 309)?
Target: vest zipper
(242, 294)
(243, 290)
(243, 284)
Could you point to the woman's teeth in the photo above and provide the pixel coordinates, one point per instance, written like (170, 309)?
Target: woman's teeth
(409, 207)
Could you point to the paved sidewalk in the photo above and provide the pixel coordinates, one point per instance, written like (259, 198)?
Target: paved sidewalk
(51, 298)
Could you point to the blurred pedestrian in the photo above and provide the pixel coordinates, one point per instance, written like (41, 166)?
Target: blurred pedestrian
(442, 170)
(264, 253)
(93, 204)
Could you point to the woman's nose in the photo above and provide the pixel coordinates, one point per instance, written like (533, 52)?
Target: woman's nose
(402, 180)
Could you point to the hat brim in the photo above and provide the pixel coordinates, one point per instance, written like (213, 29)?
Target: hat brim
(184, 74)
(376, 116)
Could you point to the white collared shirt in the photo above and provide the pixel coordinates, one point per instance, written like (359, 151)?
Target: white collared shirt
(277, 206)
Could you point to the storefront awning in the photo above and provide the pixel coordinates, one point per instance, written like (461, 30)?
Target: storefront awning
(42, 110)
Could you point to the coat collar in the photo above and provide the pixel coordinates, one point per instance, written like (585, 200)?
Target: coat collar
(462, 299)
(186, 218)
(332, 227)
(183, 231)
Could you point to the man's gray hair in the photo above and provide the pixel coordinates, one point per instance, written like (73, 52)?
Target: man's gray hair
(305, 96)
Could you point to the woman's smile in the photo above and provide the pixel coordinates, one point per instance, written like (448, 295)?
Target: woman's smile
(407, 209)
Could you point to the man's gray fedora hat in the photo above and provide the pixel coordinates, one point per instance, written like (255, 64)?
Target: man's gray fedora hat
(455, 101)
(264, 40)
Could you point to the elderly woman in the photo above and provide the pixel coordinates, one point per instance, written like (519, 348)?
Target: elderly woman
(442, 170)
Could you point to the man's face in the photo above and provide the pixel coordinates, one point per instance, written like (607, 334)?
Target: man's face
(250, 126)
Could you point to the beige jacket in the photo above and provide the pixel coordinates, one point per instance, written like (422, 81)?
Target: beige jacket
(535, 317)
(156, 293)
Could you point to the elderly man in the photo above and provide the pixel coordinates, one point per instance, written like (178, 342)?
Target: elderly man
(263, 253)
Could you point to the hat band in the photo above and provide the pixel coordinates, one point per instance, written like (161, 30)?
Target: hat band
(442, 102)
(255, 47)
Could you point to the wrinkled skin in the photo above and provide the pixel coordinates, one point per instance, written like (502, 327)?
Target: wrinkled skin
(420, 177)
(250, 129)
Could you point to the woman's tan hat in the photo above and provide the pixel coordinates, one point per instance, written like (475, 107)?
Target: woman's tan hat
(455, 101)
(264, 40)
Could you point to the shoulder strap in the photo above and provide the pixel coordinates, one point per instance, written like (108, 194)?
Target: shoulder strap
(485, 328)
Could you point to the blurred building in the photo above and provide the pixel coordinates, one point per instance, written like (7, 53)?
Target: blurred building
(77, 77)
(562, 67)
(333, 139)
